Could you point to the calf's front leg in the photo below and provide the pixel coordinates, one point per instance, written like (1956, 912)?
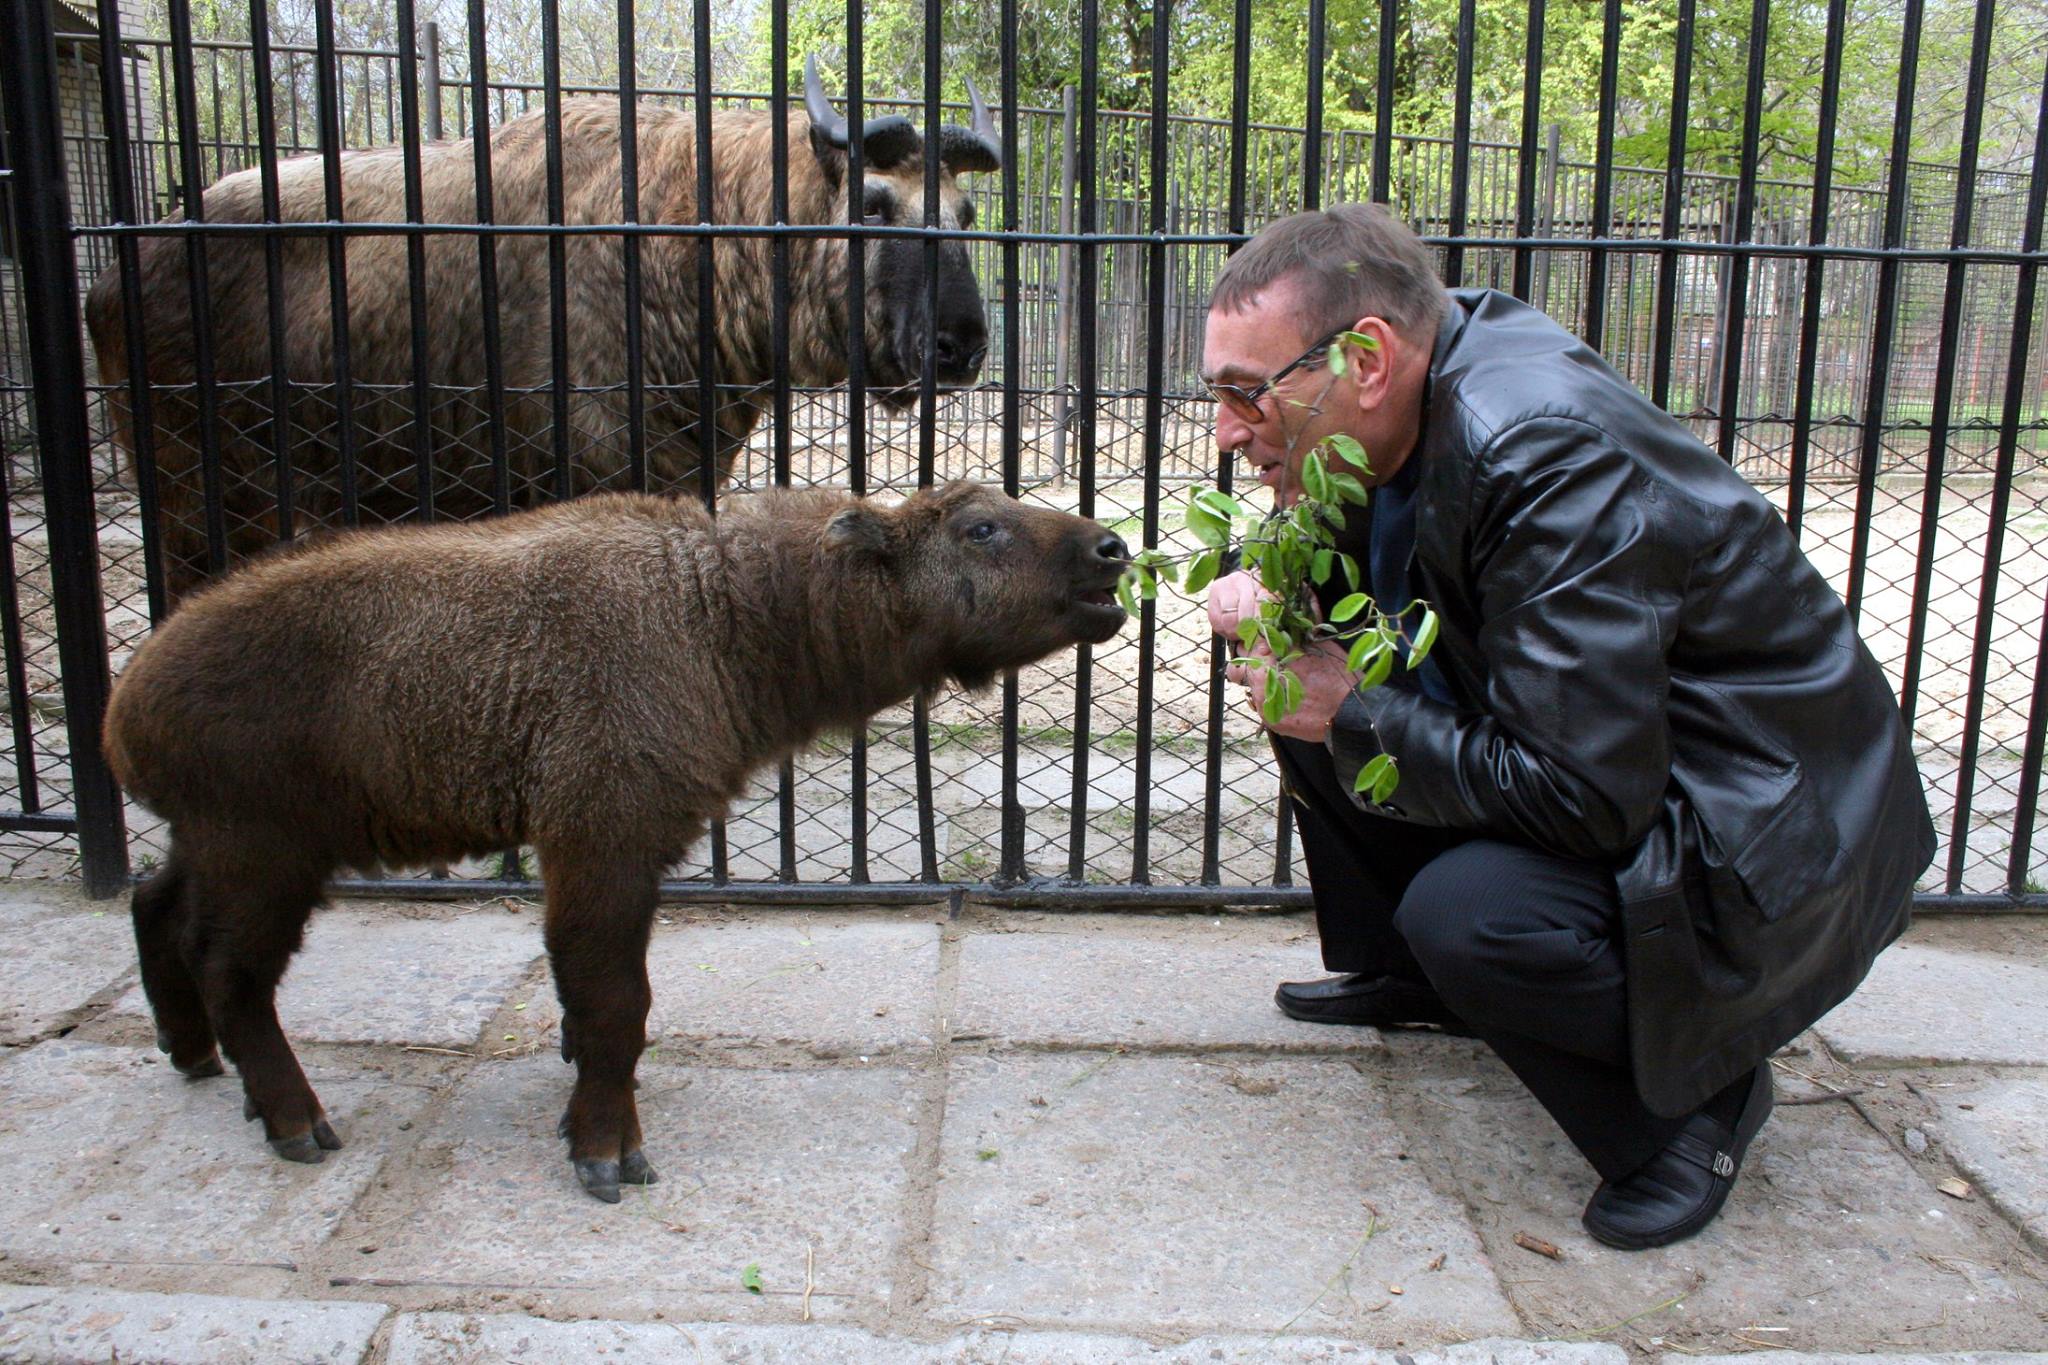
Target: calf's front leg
(599, 913)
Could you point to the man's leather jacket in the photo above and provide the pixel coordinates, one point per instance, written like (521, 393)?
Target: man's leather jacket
(1649, 675)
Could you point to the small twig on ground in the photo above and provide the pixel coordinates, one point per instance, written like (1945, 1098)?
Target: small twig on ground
(1825, 1096)
(1539, 1246)
(1672, 1302)
(438, 1051)
(809, 1282)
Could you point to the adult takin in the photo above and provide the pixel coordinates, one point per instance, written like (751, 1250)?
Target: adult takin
(224, 350)
(596, 679)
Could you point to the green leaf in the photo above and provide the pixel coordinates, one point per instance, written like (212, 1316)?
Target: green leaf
(1361, 339)
(1387, 781)
(1348, 450)
(1323, 560)
(1377, 672)
(1123, 593)
(1315, 478)
(1163, 567)
(1248, 631)
(1364, 650)
(1272, 708)
(1209, 528)
(1202, 571)
(1370, 775)
(1350, 606)
(750, 1278)
(1220, 502)
(1290, 692)
(1336, 360)
(1425, 636)
(1349, 489)
(1148, 586)
(1350, 571)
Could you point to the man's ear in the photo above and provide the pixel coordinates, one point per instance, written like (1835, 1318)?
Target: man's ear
(1372, 366)
(862, 530)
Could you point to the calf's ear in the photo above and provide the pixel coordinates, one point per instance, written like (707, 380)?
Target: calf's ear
(862, 530)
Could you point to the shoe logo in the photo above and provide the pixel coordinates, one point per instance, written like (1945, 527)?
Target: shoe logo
(1724, 1165)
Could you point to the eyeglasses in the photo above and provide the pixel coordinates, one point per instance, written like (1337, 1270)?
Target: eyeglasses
(1245, 402)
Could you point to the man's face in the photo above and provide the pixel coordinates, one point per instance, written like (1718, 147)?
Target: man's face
(1248, 347)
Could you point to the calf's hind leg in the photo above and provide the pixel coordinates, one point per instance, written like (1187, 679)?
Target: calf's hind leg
(163, 943)
(599, 912)
(250, 910)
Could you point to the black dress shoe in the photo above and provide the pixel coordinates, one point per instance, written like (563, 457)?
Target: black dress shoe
(1678, 1191)
(1363, 998)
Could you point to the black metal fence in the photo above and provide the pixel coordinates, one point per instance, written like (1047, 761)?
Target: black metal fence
(1869, 355)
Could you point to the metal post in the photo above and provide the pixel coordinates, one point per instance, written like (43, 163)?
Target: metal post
(433, 80)
(1553, 140)
(49, 285)
(1063, 307)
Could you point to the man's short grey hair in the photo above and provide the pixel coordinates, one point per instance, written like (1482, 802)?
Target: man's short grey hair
(1347, 262)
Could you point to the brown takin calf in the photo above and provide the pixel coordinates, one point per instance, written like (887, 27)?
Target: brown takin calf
(597, 679)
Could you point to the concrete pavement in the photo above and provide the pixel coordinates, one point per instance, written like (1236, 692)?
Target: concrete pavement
(892, 1135)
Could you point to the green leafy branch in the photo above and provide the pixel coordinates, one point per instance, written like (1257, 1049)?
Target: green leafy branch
(1293, 552)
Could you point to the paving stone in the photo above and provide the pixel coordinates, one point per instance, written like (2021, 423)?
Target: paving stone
(1824, 1213)
(487, 1339)
(1888, 1358)
(755, 1164)
(2001, 1143)
(107, 1154)
(1930, 1004)
(92, 1326)
(1180, 1193)
(382, 976)
(838, 985)
(1095, 980)
(62, 950)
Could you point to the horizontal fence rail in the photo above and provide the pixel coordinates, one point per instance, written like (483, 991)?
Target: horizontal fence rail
(1869, 355)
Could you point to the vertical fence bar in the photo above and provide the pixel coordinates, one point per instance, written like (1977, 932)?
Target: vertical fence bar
(1525, 167)
(416, 261)
(193, 196)
(327, 78)
(630, 247)
(1085, 361)
(1461, 147)
(1871, 454)
(1674, 210)
(1012, 860)
(927, 398)
(1155, 416)
(1745, 227)
(857, 372)
(558, 287)
(1603, 179)
(2019, 390)
(1944, 394)
(1383, 108)
(281, 423)
(142, 434)
(49, 284)
(1817, 234)
(1226, 461)
(1312, 131)
(778, 340)
(487, 261)
(708, 461)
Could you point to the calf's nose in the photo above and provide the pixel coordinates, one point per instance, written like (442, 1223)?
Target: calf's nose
(1111, 548)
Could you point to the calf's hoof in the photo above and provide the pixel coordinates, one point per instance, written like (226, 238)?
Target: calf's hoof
(634, 1169)
(203, 1069)
(598, 1176)
(309, 1147)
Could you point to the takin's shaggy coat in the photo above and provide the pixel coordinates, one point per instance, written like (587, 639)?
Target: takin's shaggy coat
(597, 679)
(235, 416)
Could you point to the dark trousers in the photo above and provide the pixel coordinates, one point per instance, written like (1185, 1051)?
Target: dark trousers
(1521, 944)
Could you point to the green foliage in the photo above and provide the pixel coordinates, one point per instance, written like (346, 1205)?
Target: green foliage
(1292, 552)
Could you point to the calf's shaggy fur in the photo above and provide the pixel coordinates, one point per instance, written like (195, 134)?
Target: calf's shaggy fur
(597, 679)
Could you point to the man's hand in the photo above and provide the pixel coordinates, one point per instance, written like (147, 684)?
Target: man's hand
(1325, 682)
(1234, 598)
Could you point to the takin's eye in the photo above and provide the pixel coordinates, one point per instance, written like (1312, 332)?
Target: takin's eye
(982, 532)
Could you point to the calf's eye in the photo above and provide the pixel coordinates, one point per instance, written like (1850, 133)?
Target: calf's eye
(981, 532)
